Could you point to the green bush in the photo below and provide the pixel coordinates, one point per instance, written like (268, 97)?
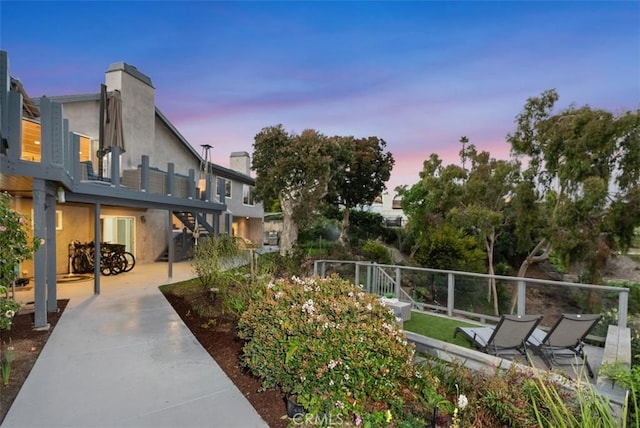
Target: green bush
(15, 247)
(450, 249)
(364, 225)
(211, 257)
(628, 379)
(337, 348)
(376, 252)
(322, 229)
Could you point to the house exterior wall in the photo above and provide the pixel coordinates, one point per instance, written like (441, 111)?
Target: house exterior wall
(179, 155)
(84, 117)
(393, 216)
(138, 113)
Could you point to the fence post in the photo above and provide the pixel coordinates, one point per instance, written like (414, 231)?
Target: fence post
(522, 297)
(357, 273)
(369, 290)
(315, 268)
(398, 283)
(450, 293)
(323, 268)
(623, 302)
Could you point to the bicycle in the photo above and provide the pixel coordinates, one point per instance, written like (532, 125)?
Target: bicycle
(116, 259)
(113, 258)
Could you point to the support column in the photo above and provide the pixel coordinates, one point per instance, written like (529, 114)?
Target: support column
(171, 249)
(97, 237)
(40, 256)
(52, 282)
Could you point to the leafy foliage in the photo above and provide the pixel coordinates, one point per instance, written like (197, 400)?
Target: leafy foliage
(376, 252)
(211, 258)
(583, 165)
(449, 249)
(521, 398)
(338, 349)
(15, 247)
(294, 170)
(365, 170)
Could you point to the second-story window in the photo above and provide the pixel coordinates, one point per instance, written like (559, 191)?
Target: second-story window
(247, 195)
(227, 189)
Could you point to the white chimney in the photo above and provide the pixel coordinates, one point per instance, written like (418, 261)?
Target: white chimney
(241, 162)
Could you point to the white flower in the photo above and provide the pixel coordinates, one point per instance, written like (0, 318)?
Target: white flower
(462, 401)
(308, 307)
(369, 307)
(332, 364)
(346, 376)
(339, 404)
(9, 313)
(270, 285)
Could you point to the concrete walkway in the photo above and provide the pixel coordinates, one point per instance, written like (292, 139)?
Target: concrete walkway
(126, 359)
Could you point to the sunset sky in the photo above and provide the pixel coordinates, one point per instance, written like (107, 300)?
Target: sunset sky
(417, 74)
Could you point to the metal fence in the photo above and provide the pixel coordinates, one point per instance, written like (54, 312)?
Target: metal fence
(468, 294)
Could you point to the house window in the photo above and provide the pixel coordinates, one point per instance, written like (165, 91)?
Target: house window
(31, 137)
(247, 195)
(58, 220)
(227, 189)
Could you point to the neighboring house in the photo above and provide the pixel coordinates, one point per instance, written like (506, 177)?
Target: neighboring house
(142, 194)
(389, 207)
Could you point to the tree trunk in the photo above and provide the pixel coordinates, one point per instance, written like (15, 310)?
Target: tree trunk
(530, 260)
(345, 226)
(289, 228)
(492, 288)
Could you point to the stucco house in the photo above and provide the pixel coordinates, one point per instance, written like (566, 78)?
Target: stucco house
(146, 188)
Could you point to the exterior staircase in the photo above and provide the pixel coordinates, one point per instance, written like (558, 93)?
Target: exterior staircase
(183, 242)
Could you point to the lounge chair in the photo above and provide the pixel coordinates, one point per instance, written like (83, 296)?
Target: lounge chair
(564, 340)
(508, 337)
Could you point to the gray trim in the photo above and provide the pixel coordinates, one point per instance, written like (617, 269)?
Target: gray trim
(67, 99)
(232, 174)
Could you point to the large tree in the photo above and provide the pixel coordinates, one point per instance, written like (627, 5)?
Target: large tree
(584, 191)
(365, 170)
(484, 211)
(295, 170)
(472, 199)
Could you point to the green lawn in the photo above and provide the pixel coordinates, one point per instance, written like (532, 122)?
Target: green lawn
(437, 327)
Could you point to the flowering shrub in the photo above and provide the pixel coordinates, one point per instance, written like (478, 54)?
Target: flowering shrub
(338, 349)
(15, 246)
(8, 309)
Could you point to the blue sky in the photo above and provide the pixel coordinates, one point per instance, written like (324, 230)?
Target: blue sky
(418, 74)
